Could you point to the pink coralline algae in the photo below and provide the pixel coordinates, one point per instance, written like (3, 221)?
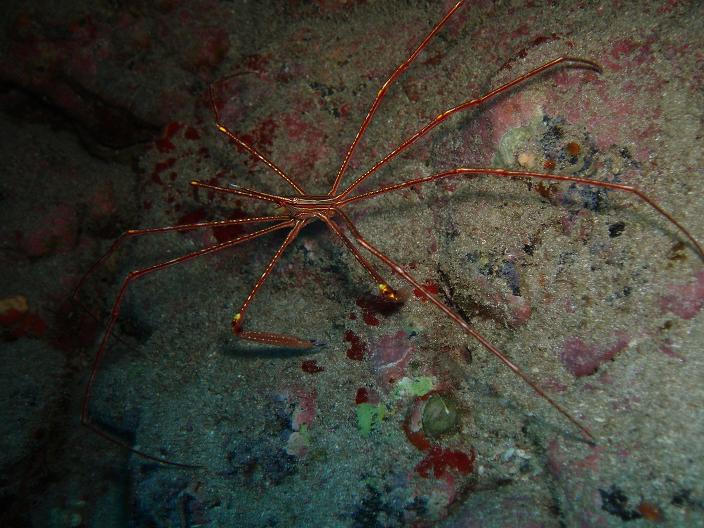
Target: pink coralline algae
(212, 47)
(305, 409)
(390, 355)
(301, 420)
(561, 466)
(500, 306)
(684, 300)
(101, 204)
(509, 113)
(16, 320)
(583, 359)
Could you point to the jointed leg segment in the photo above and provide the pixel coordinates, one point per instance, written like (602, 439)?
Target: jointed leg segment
(240, 191)
(581, 63)
(249, 148)
(386, 291)
(535, 175)
(183, 227)
(282, 340)
(401, 272)
(115, 313)
(382, 92)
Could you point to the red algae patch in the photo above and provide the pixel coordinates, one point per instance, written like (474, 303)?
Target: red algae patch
(583, 359)
(439, 461)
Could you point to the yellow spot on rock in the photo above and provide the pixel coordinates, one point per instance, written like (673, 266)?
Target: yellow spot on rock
(526, 159)
(16, 302)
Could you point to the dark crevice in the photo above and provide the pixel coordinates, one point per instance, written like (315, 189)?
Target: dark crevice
(103, 129)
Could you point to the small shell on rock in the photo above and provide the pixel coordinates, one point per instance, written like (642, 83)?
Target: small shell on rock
(439, 415)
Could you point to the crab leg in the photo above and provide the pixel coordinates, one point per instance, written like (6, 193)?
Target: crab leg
(583, 63)
(270, 338)
(386, 291)
(242, 191)
(382, 92)
(503, 173)
(246, 146)
(183, 227)
(115, 313)
(398, 270)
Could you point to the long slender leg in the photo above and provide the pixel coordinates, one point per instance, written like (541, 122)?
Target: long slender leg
(254, 152)
(382, 92)
(387, 291)
(184, 227)
(536, 175)
(115, 312)
(581, 63)
(242, 191)
(270, 338)
(462, 324)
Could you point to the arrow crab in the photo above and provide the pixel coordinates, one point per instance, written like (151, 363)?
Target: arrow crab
(297, 209)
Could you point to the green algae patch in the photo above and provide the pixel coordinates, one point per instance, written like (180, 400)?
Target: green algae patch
(299, 442)
(416, 386)
(369, 416)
